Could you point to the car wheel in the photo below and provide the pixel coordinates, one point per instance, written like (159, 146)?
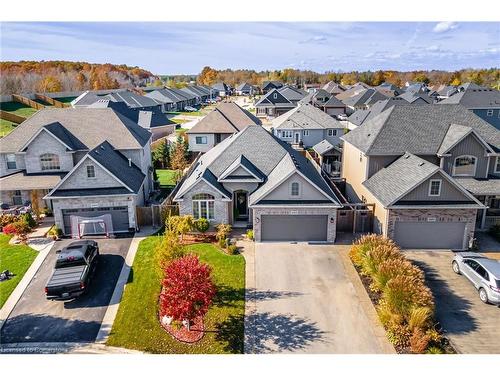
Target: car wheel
(483, 296)
(455, 267)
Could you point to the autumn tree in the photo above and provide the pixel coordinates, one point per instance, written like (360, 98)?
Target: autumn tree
(161, 155)
(178, 159)
(49, 84)
(188, 289)
(208, 76)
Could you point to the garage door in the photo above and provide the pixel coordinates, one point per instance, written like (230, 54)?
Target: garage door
(119, 215)
(429, 235)
(294, 227)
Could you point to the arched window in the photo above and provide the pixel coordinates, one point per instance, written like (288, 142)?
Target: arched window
(464, 165)
(203, 206)
(49, 162)
(295, 189)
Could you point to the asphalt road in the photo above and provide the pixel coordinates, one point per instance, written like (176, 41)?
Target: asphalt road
(35, 319)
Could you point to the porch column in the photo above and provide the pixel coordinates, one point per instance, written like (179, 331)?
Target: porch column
(483, 218)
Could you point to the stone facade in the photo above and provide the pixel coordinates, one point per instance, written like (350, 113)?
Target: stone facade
(441, 215)
(46, 143)
(331, 212)
(7, 196)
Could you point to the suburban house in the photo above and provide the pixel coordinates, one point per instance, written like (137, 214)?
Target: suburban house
(388, 89)
(484, 102)
(329, 157)
(170, 99)
(91, 166)
(270, 85)
(445, 91)
(325, 101)
(221, 89)
(293, 94)
(363, 100)
(246, 89)
(201, 93)
(131, 99)
(416, 97)
(224, 120)
(433, 173)
(306, 126)
(273, 104)
(252, 179)
(333, 88)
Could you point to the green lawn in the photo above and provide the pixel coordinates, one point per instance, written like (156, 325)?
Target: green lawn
(166, 177)
(136, 325)
(178, 121)
(6, 127)
(17, 108)
(180, 131)
(16, 259)
(68, 99)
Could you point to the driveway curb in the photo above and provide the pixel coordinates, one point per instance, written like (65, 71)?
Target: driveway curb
(365, 301)
(17, 293)
(250, 303)
(114, 303)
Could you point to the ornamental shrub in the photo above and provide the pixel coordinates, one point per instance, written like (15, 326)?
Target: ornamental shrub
(202, 225)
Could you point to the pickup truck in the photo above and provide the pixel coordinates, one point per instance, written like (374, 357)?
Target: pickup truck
(75, 266)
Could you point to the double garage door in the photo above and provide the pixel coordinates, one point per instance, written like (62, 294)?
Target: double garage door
(119, 217)
(429, 235)
(294, 227)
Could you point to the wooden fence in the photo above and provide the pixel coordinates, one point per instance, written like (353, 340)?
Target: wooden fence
(4, 115)
(51, 101)
(155, 214)
(26, 101)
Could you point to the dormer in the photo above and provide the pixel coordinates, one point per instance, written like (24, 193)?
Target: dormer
(241, 170)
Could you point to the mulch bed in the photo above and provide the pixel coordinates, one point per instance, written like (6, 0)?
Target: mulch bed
(192, 238)
(180, 333)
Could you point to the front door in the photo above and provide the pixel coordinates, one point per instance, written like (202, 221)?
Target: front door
(241, 205)
(297, 137)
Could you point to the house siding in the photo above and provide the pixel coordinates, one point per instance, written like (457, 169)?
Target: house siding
(468, 146)
(282, 191)
(448, 191)
(193, 146)
(354, 164)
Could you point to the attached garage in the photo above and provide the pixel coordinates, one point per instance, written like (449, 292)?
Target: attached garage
(429, 235)
(119, 217)
(294, 227)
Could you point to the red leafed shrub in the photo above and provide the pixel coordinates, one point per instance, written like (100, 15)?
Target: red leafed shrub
(9, 229)
(188, 289)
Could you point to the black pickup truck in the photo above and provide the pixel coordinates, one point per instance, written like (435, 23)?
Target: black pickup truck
(75, 266)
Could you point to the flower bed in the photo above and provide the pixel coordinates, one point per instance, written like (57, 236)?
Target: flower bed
(180, 332)
(404, 303)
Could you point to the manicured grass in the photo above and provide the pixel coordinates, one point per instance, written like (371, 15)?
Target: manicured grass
(6, 127)
(197, 113)
(16, 259)
(166, 177)
(180, 131)
(136, 325)
(178, 120)
(17, 108)
(68, 99)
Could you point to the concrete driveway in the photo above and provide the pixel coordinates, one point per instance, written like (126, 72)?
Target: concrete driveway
(471, 326)
(305, 302)
(35, 319)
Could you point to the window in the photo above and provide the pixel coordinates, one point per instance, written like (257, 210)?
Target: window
(489, 112)
(287, 134)
(11, 161)
(201, 140)
(275, 96)
(332, 132)
(497, 165)
(435, 188)
(49, 162)
(295, 189)
(90, 171)
(306, 132)
(465, 165)
(203, 206)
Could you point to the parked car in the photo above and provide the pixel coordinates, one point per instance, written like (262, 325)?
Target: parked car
(188, 108)
(342, 117)
(74, 269)
(483, 273)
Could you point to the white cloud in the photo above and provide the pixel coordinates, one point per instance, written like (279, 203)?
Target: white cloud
(443, 27)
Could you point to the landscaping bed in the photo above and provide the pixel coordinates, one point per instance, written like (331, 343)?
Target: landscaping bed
(137, 325)
(17, 259)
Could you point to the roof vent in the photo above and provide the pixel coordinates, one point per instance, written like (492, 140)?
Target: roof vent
(129, 162)
(407, 156)
(102, 147)
(420, 164)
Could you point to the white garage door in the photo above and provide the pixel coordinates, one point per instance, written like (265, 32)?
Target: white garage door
(429, 235)
(294, 227)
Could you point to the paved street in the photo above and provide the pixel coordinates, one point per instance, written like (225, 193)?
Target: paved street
(35, 319)
(306, 303)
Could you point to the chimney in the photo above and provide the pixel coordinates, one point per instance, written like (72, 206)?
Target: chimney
(129, 162)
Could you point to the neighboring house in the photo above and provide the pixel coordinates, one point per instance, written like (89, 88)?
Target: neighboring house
(444, 91)
(246, 89)
(325, 101)
(363, 100)
(484, 102)
(416, 98)
(221, 89)
(362, 115)
(85, 99)
(224, 120)
(428, 169)
(92, 166)
(306, 126)
(252, 179)
(311, 87)
(201, 94)
(170, 100)
(329, 157)
(153, 120)
(389, 90)
(273, 104)
(333, 88)
(270, 85)
(133, 100)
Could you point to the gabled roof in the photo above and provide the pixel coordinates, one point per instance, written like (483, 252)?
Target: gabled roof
(362, 115)
(65, 136)
(275, 84)
(333, 88)
(305, 116)
(131, 99)
(418, 129)
(247, 165)
(91, 126)
(324, 146)
(411, 97)
(291, 93)
(221, 86)
(473, 96)
(395, 181)
(226, 118)
(244, 86)
(366, 97)
(85, 99)
(280, 101)
(169, 95)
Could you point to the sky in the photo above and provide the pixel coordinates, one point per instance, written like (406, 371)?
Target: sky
(185, 48)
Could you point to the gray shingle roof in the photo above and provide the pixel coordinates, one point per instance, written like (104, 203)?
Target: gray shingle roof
(305, 116)
(65, 136)
(418, 129)
(454, 134)
(91, 126)
(132, 100)
(291, 93)
(490, 186)
(411, 97)
(474, 96)
(362, 115)
(324, 146)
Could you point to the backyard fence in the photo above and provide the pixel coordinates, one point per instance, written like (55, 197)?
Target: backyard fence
(26, 101)
(12, 117)
(51, 101)
(155, 214)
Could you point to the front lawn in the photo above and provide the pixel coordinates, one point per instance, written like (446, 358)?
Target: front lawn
(166, 177)
(17, 259)
(179, 121)
(6, 127)
(137, 327)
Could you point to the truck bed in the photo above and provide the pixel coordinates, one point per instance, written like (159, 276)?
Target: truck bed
(66, 276)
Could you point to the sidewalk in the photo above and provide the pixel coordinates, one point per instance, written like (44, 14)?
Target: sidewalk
(114, 303)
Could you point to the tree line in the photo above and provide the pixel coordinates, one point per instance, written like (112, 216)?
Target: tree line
(56, 76)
